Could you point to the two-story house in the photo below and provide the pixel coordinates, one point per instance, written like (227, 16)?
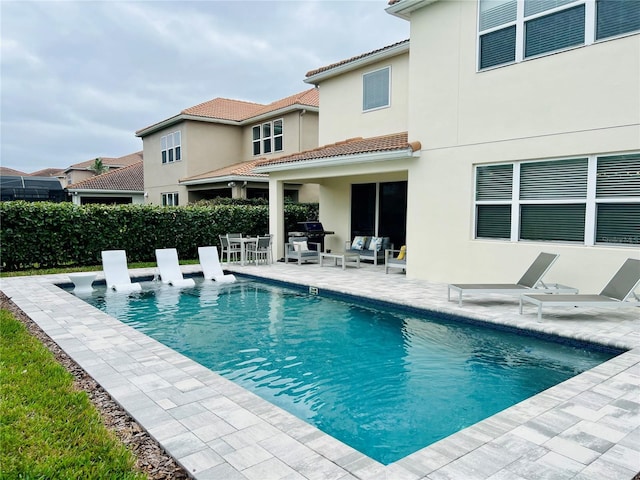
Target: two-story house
(209, 150)
(521, 124)
(84, 170)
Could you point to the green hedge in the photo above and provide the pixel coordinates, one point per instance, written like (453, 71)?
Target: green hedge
(45, 235)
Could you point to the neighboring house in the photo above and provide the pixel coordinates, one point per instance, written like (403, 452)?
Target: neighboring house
(83, 170)
(207, 151)
(522, 135)
(49, 172)
(120, 186)
(6, 171)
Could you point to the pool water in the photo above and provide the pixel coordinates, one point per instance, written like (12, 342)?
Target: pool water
(385, 381)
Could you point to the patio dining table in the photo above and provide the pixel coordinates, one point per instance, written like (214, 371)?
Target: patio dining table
(243, 241)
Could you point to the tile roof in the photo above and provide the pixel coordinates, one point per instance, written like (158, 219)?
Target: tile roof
(236, 110)
(48, 172)
(352, 146)
(224, 109)
(243, 169)
(311, 73)
(129, 178)
(11, 172)
(123, 161)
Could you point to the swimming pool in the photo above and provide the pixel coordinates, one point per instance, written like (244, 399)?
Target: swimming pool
(386, 382)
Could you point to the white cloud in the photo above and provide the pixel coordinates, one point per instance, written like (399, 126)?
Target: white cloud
(80, 77)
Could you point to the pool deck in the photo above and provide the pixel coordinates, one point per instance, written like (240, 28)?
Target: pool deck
(587, 427)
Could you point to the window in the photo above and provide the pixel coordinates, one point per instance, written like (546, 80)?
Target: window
(170, 146)
(511, 31)
(170, 199)
(593, 200)
(375, 89)
(268, 137)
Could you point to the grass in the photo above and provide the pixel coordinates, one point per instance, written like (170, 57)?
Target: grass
(49, 429)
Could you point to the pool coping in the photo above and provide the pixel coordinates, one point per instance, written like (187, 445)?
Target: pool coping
(586, 427)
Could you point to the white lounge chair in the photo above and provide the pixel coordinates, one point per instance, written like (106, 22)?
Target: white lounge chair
(116, 273)
(615, 294)
(530, 281)
(167, 259)
(210, 263)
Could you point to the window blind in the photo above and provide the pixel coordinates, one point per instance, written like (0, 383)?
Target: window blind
(494, 13)
(618, 223)
(616, 17)
(494, 182)
(531, 7)
(563, 222)
(554, 180)
(375, 89)
(618, 176)
(498, 47)
(552, 32)
(493, 221)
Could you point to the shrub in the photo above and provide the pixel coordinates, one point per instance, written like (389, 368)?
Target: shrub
(45, 235)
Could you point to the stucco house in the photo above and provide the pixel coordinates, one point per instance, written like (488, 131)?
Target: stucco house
(120, 186)
(514, 128)
(209, 150)
(83, 170)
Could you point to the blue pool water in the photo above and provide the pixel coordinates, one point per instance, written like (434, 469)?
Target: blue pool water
(387, 382)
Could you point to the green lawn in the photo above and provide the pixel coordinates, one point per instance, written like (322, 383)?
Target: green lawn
(48, 429)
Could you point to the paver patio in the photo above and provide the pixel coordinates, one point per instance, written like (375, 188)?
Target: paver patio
(585, 428)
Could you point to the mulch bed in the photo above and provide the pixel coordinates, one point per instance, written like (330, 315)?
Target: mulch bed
(150, 457)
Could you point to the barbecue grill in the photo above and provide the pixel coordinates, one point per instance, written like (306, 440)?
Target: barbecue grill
(314, 231)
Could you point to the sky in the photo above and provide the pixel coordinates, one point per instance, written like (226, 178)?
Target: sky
(79, 78)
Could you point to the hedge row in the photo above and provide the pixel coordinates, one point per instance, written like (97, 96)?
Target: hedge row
(44, 235)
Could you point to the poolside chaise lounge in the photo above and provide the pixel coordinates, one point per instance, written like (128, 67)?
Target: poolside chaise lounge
(169, 268)
(211, 268)
(530, 281)
(116, 273)
(614, 295)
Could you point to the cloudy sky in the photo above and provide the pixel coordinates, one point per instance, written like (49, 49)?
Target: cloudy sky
(78, 78)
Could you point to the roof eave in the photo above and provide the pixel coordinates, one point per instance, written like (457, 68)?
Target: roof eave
(181, 118)
(340, 160)
(404, 8)
(104, 191)
(224, 178)
(278, 112)
(358, 63)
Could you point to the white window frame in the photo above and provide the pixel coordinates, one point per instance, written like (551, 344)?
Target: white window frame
(171, 147)
(170, 199)
(520, 24)
(590, 200)
(364, 90)
(262, 138)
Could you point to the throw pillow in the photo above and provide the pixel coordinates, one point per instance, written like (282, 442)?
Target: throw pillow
(403, 253)
(375, 244)
(302, 246)
(358, 243)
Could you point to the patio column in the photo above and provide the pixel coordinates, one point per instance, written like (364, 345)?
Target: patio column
(276, 216)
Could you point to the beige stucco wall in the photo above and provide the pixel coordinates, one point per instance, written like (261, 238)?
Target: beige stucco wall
(162, 178)
(580, 102)
(341, 114)
(209, 146)
(300, 132)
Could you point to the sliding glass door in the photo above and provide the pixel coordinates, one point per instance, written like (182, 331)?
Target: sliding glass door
(380, 209)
